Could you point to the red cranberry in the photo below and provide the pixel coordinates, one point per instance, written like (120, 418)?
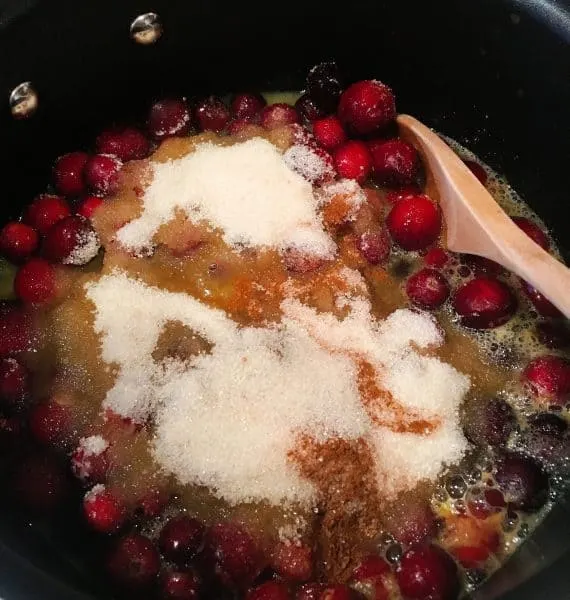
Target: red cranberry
(103, 511)
(553, 335)
(489, 422)
(88, 206)
(436, 258)
(270, 590)
(168, 117)
(324, 86)
(548, 377)
(482, 503)
(329, 132)
(180, 585)
(308, 109)
(298, 261)
(102, 173)
(134, 563)
(247, 106)
(46, 210)
(477, 170)
(337, 592)
(481, 265)
(374, 246)
(410, 520)
(211, 114)
(18, 241)
(352, 160)
(71, 241)
(181, 538)
(533, 231)
(310, 591)
(548, 439)
(50, 423)
(427, 289)
(154, 502)
(89, 466)
(293, 562)
(428, 572)
(522, 481)
(394, 196)
(394, 162)
(370, 567)
(367, 106)
(14, 381)
(484, 303)
(542, 305)
(239, 125)
(68, 173)
(35, 281)
(277, 115)
(414, 222)
(126, 143)
(15, 330)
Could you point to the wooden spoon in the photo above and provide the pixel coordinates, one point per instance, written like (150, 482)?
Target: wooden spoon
(476, 224)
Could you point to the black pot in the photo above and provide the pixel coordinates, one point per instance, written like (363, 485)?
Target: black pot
(493, 74)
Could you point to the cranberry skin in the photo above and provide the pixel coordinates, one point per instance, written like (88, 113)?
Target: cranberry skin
(181, 538)
(310, 591)
(337, 592)
(45, 211)
(324, 85)
(436, 258)
(293, 562)
(427, 289)
(308, 109)
(102, 173)
(366, 106)
(490, 422)
(542, 305)
(428, 572)
(126, 143)
(168, 117)
(88, 206)
(553, 335)
(395, 163)
(18, 241)
(352, 160)
(548, 439)
(247, 106)
(15, 330)
(92, 468)
(477, 170)
(270, 590)
(134, 563)
(374, 246)
(533, 231)
(68, 173)
(414, 222)
(410, 520)
(211, 114)
(14, 382)
(522, 481)
(50, 423)
(154, 502)
(35, 281)
(329, 132)
(370, 567)
(103, 511)
(394, 196)
(548, 378)
(484, 303)
(68, 236)
(178, 585)
(277, 115)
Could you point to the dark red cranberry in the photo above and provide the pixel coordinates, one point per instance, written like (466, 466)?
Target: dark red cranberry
(88, 466)
(277, 115)
(329, 132)
(428, 572)
(134, 562)
(239, 125)
(352, 160)
(50, 423)
(211, 114)
(35, 281)
(15, 330)
(309, 109)
(477, 170)
(553, 335)
(367, 106)
(395, 163)
(71, 241)
(14, 382)
(180, 585)
(369, 567)
(102, 173)
(394, 196)
(181, 538)
(548, 439)
(427, 289)
(46, 210)
(489, 422)
(337, 592)
(104, 512)
(293, 562)
(247, 106)
(18, 241)
(324, 85)
(481, 265)
(154, 502)
(88, 206)
(533, 231)
(168, 117)
(68, 173)
(548, 378)
(484, 303)
(374, 246)
(410, 520)
(542, 305)
(436, 258)
(414, 222)
(270, 590)
(126, 143)
(522, 481)
(310, 591)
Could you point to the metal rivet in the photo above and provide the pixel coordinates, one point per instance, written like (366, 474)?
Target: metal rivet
(23, 101)
(146, 29)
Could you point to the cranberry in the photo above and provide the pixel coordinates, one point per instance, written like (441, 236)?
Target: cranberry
(324, 85)
(367, 106)
(374, 246)
(88, 466)
(484, 303)
(168, 117)
(522, 481)
(533, 231)
(394, 162)
(352, 160)
(477, 170)
(489, 422)
(298, 261)
(102, 173)
(35, 281)
(88, 206)
(277, 115)
(46, 210)
(428, 572)
(270, 590)
(337, 592)
(548, 438)
(50, 423)
(68, 173)
(103, 511)
(239, 125)
(310, 591)
(211, 114)
(410, 520)
(548, 377)
(540, 302)
(293, 562)
(18, 241)
(414, 222)
(427, 289)
(178, 585)
(181, 538)
(154, 502)
(371, 566)
(247, 106)
(71, 241)
(14, 382)
(126, 143)
(553, 335)
(329, 132)
(471, 541)
(481, 265)
(483, 502)
(394, 196)
(436, 258)
(134, 562)
(15, 330)
(308, 109)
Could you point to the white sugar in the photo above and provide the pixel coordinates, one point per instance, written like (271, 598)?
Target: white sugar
(308, 163)
(85, 250)
(93, 445)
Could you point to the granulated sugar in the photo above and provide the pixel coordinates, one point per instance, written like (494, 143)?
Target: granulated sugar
(86, 249)
(306, 161)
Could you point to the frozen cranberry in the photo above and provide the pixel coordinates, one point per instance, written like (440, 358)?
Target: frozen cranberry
(168, 117)
(337, 592)
(324, 85)
(427, 289)
(211, 114)
(367, 106)
(394, 162)
(293, 562)
(102, 173)
(477, 170)
(46, 210)
(71, 241)
(374, 246)
(134, 562)
(308, 109)
(15, 329)
(428, 572)
(410, 520)
(103, 511)
(489, 422)
(543, 306)
(522, 481)
(68, 173)
(414, 222)
(310, 591)
(270, 590)
(329, 132)
(18, 241)
(154, 502)
(14, 382)
(352, 160)
(35, 281)
(548, 377)
(181, 538)
(88, 206)
(126, 143)
(89, 464)
(50, 423)
(553, 335)
(277, 115)
(548, 438)
(533, 231)
(180, 585)
(436, 258)
(394, 196)
(483, 303)
(247, 106)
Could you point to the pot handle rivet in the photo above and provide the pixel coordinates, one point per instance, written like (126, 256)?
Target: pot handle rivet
(146, 29)
(23, 100)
